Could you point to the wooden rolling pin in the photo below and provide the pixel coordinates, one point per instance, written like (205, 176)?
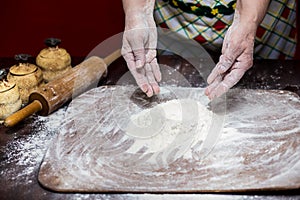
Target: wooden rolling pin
(54, 94)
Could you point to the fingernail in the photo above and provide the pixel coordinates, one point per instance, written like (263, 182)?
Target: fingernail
(206, 91)
(149, 93)
(144, 88)
(156, 90)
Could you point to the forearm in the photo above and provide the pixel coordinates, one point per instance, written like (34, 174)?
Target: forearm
(138, 12)
(251, 12)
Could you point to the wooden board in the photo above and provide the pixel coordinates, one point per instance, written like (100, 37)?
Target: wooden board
(258, 147)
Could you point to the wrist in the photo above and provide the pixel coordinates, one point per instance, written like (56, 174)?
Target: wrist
(244, 22)
(244, 27)
(138, 6)
(251, 12)
(139, 20)
(252, 20)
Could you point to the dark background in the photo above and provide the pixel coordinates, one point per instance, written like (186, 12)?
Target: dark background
(81, 25)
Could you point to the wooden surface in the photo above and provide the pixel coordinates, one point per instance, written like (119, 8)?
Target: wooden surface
(258, 148)
(22, 147)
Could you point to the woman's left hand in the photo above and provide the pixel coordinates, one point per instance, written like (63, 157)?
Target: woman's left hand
(236, 59)
(238, 47)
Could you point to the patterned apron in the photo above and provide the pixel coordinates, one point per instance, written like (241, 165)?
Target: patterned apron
(207, 21)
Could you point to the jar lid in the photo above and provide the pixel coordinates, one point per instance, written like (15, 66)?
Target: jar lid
(23, 69)
(5, 86)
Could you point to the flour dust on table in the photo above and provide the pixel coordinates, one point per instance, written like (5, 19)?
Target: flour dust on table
(99, 149)
(27, 151)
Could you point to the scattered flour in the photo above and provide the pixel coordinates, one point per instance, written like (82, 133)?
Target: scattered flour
(26, 152)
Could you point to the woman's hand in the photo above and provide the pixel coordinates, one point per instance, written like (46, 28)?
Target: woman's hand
(236, 59)
(139, 46)
(238, 47)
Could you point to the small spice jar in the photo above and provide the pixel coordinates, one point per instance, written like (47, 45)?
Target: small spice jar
(53, 61)
(10, 100)
(27, 76)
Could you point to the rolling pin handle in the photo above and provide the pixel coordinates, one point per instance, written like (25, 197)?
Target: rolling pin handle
(20, 115)
(112, 57)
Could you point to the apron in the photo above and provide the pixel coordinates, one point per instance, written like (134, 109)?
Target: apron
(207, 21)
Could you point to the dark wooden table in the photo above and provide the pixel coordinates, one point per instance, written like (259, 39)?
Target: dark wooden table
(19, 180)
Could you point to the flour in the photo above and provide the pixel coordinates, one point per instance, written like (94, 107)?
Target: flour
(26, 152)
(258, 148)
(175, 124)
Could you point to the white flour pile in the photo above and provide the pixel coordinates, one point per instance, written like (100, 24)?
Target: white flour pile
(170, 125)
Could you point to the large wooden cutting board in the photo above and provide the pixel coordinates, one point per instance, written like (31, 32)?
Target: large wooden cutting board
(258, 147)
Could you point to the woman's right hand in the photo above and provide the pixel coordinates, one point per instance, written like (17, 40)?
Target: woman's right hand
(139, 50)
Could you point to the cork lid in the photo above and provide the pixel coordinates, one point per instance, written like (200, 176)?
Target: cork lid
(23, 69)
(5, 86)
(53, 51)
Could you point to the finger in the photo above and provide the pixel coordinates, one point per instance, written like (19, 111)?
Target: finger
(141, 80)
(151, 58)
(229, 81)
(156, 70)
(213, 85)
(222, 66)
(231, 50)
(218, 91)
(155, 88)
(129, 58)
(138, 74)
(151, 81)
(238, 70)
